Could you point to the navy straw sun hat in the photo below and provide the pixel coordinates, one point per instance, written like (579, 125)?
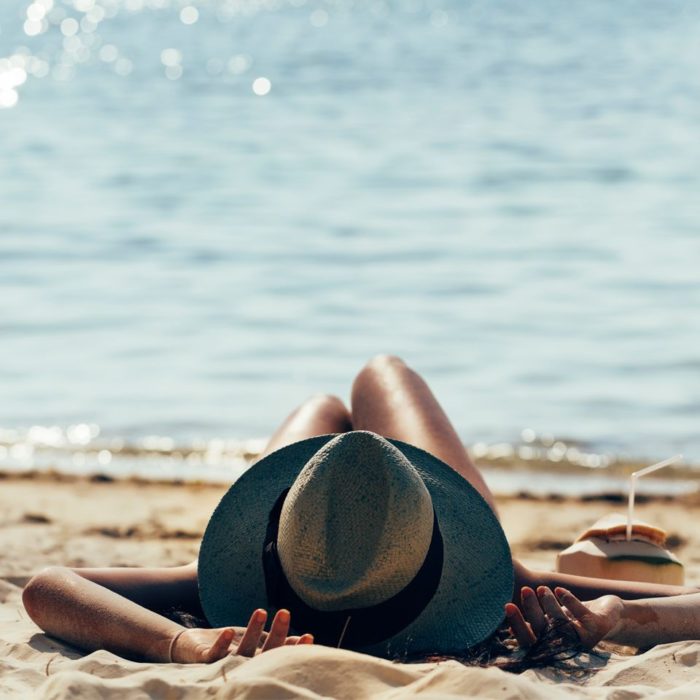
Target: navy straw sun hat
(372, 544)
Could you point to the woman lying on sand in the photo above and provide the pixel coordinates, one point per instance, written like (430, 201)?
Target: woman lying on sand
(373, 544)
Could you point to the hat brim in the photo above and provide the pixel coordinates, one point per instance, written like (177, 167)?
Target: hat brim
(477, 576)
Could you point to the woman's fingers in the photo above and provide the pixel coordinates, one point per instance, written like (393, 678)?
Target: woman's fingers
(551, 606)
(521, 630)
(561, 609)
(532, 610)
(277, 636)
(592, 622)
(278, 631)
(220, 647)
(572, 603)
(251, 638)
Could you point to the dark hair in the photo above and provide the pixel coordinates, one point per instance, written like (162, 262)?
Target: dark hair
(557, 648)
(186, 619)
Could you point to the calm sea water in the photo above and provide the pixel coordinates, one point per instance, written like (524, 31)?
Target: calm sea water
(209, 210)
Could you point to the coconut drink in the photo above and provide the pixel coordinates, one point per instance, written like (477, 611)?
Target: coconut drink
(606, 550)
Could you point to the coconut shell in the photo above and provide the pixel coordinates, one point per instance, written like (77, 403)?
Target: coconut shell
(623, 560)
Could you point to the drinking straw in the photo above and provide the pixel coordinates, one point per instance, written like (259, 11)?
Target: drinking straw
(633, 484)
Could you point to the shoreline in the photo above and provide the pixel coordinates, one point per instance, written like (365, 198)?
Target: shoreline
(506, 476)
(540, 465)
(51, 476)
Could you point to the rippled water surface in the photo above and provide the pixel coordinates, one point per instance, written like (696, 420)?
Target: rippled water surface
(209, 210)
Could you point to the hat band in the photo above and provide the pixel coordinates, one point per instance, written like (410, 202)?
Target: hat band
(354, 627)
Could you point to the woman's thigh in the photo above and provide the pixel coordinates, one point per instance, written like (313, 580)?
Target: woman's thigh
(391, 399)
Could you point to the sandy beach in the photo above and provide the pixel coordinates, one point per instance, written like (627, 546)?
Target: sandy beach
(214, 210)
(94, 522)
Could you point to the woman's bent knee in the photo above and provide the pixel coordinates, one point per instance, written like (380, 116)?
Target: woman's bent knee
(384, 362)
(325, 403)
(378, 371)
(381, 366)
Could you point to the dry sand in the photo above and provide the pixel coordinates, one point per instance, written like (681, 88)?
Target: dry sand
(79, 522)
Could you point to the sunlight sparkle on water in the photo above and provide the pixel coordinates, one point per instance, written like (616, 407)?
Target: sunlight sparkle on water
(189, 15)
(79, 23)
(261, 86)
(33, 27)
(69, 26)
(8, 98)
(37, 67)
(172, 60)
(96, 14)
(12, 77)
(239, 64)
(170, 57)
(36, 12)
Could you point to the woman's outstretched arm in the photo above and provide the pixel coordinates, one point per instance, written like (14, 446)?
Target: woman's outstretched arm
(88, 615)
(92, 616)
(588, 587)
(657, 621)
(161, 589)
(638, 623)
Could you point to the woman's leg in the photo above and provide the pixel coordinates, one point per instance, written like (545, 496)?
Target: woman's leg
(391, 399)
(319, 415)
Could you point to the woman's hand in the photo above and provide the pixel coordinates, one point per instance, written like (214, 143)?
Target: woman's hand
(204, 646)
(588, 623)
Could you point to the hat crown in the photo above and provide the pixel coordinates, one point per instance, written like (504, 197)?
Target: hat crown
(356, 524)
